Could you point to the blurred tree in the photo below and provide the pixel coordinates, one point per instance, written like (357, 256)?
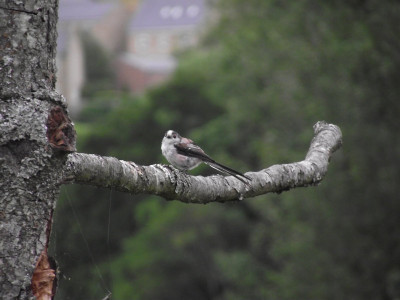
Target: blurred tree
(99, 73)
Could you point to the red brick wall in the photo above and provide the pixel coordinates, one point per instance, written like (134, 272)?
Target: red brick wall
(136, 80)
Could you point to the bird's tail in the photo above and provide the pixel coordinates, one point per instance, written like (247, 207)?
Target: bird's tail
(229, 171)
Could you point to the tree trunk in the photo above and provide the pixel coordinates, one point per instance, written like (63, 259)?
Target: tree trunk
(31, 113)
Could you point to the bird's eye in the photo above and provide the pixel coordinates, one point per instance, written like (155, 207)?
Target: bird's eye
(174, 136)
(168, 136)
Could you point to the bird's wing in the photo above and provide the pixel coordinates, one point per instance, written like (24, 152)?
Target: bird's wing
(192, 150)
(187, 141)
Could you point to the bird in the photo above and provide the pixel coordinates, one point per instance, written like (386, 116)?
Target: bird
(185, 155)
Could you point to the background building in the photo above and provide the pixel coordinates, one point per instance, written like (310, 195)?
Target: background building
(104, 21)
(140, 38)
(155, 32)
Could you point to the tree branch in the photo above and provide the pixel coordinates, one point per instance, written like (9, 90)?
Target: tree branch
(170, 183)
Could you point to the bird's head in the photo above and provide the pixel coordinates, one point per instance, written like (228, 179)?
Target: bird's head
(172, 137)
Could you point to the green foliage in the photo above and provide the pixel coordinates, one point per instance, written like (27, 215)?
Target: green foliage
(178, 253)
(249, 96)
(98, 68)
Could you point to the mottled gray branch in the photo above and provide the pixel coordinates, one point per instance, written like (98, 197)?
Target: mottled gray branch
(170, 183)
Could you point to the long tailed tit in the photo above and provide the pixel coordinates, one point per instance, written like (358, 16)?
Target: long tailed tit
(184, 154)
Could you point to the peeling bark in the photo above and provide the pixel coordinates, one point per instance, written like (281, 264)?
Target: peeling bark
(43, 278)
(60, 130)
(170, 183)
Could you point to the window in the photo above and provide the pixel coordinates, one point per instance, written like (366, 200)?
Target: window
(192, 11)
(174, 12)
(163, 43)
(142, 42)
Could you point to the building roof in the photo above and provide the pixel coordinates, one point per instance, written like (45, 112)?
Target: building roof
(168, 13)
(74, 10)
(78, 10)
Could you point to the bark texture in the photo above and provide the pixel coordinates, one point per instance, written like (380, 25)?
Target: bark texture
(170, 183)
(29, 166)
